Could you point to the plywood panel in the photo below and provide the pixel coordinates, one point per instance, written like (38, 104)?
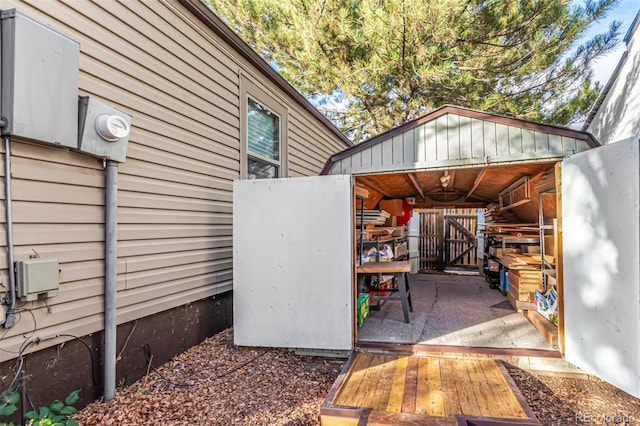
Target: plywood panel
(453, 136)
(515, 140)
(477, 138)
(283, 312)
(600, 251)
(410, 144)
(502, 140)
(397, 156)
(490, 139)
(441, 139)
(387, 151)
(466, 138)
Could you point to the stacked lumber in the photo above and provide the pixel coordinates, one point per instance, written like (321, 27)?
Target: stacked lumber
(524, 261)
(548, 330)
(373, 217)
(522, 284)
(547, 182)
(493, 214)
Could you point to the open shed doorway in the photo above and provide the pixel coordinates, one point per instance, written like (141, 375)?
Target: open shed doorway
(458, 158)
(456, 299)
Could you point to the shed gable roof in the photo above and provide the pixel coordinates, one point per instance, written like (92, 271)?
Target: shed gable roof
(453, 136)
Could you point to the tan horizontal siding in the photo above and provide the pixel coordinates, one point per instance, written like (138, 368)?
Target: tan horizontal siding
(171, 245)
(172, 273)
(164, 172)
(180, 82)
(159, 231)
(153, 201)
(141, 295)
(165, 260)
(146, 185)
(133, 216)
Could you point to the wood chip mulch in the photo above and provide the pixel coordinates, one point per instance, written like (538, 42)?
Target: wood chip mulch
(218, 383)
(575, 400)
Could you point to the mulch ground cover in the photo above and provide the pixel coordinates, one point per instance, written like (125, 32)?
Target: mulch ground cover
(218, 383)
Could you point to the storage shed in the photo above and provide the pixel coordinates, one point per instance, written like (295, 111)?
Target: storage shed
(574, 193)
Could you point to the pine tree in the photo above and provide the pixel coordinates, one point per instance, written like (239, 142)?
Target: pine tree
(371, 65)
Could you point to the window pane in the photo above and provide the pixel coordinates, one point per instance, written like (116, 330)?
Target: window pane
(260, 170)
(263, 131)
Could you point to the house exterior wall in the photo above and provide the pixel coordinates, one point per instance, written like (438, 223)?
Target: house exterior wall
(181, 83)
(618, 116)
(453, 140)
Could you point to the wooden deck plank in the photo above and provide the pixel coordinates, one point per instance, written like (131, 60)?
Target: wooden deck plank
(430, 398)
(499, 408)
(397, 387)
(380, 396)
(367, 388)
(462, 367)
(381, 418)
(410, 387)
(402, 389)
(338, 421)
(483, 394)
(349, 392)
(451, 402)
(506, 404)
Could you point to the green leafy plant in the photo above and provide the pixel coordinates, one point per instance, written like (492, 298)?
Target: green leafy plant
(56, 414)
(8, 400)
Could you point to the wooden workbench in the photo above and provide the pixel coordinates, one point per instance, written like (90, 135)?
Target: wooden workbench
(401, 271)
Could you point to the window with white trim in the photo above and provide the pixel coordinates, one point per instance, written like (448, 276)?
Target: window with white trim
(263, 141)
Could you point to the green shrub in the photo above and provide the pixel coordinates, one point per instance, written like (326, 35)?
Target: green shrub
(56, 414)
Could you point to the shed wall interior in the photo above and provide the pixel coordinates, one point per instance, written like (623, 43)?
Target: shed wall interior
(454, 158)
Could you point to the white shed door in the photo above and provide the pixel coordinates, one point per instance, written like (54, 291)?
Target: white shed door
(601, 240)
(293, 262)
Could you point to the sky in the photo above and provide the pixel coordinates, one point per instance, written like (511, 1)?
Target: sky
(624, 12)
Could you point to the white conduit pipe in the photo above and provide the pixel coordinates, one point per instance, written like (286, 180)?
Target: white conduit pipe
(110, 277)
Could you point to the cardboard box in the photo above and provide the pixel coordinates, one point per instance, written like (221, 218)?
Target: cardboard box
(393, 207)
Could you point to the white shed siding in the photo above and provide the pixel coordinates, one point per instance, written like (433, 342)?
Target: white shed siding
(180, 81)
(455, 140)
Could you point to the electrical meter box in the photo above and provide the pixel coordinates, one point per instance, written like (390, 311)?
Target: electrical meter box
(39, 81)
(103, 130)
(35, 277)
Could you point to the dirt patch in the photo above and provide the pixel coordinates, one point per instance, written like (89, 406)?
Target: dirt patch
(218, 383)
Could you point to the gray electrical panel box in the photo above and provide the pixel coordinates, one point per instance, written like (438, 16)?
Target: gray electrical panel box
(39, 81)
(103, 130)
(35, 277)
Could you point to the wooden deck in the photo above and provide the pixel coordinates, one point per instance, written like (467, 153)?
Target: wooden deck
(396, 389)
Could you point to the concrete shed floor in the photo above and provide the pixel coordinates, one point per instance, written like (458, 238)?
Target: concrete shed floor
(456, 310)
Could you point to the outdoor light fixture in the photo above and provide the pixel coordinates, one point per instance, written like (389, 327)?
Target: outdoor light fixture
(444, 180)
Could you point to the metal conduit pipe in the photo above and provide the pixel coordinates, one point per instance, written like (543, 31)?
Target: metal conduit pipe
(110, 277)
(10, 319)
